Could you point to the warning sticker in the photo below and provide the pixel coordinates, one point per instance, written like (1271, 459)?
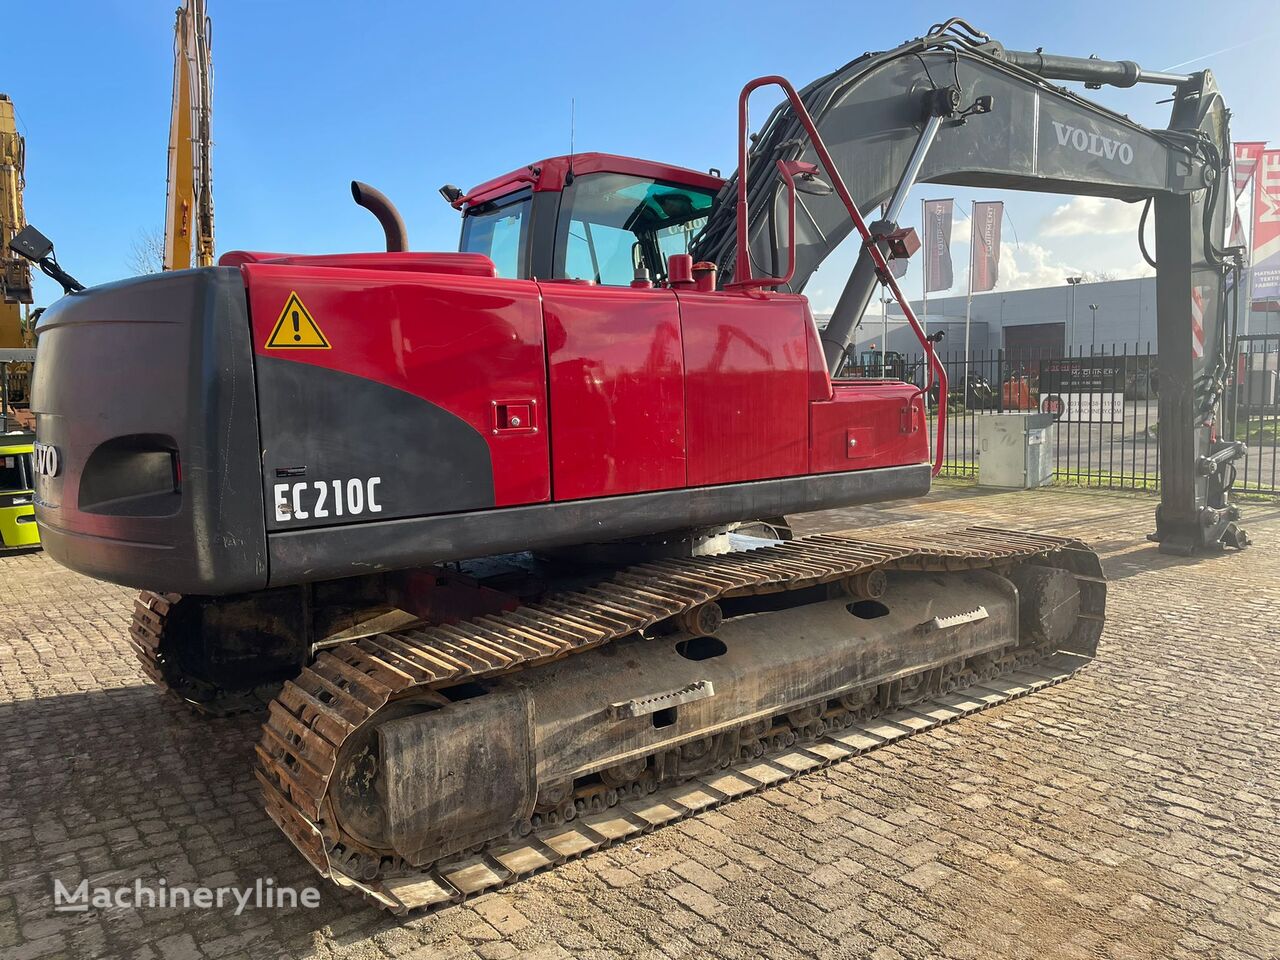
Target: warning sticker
(296, 329)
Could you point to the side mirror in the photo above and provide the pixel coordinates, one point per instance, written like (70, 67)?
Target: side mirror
(809, 182)
(36, 247)
(31, 243)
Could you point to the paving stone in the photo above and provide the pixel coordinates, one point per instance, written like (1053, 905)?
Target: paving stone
(1127, 813)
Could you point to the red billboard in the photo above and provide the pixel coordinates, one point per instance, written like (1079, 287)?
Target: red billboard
(1266, 227)
(1247, 154)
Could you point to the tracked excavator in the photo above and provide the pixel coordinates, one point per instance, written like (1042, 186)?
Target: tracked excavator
(496, 535)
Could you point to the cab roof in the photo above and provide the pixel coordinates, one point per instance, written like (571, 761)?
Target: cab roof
(549, 175)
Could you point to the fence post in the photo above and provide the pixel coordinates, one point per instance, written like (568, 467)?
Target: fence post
(1000, 380)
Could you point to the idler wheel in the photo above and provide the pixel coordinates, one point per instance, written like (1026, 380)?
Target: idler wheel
(357, 791)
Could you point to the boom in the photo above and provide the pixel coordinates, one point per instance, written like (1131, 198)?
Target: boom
(188, 227)
(15, 272)
(956, 107)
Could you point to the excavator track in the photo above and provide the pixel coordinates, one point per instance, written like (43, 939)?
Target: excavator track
(149, 637)
(345, 687)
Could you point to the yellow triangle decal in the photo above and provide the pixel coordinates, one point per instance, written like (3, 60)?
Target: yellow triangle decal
(296, 329)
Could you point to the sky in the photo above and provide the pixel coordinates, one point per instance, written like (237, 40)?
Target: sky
(408, 96)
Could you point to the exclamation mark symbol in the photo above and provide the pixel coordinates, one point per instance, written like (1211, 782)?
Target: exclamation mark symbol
(297, 330)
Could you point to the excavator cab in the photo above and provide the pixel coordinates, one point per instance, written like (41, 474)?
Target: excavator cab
(605, 219)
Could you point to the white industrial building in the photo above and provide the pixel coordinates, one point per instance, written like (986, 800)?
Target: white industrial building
(1042, 319)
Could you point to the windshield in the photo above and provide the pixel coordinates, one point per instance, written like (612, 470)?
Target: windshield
(612, 223)
(496, 229)
(15, 472)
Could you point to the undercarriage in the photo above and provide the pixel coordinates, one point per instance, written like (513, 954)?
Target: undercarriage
(428, 761)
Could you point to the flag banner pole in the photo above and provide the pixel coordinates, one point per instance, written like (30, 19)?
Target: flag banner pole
(968, 301)
(924, 282)
(884, 333)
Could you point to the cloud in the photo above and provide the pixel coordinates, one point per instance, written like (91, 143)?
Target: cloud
(1091, 216)
(1031, 266)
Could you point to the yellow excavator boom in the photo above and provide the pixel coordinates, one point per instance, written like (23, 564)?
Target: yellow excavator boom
(15, 272)
(188, 227)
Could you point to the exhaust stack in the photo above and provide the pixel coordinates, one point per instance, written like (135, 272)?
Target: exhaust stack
(376, 202)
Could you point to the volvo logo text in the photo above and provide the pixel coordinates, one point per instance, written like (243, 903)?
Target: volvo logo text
(1094, 143)
(46, 458)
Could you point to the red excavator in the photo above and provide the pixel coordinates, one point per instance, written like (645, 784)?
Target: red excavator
(497, 535)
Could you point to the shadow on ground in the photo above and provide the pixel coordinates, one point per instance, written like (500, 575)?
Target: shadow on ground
(113, 786)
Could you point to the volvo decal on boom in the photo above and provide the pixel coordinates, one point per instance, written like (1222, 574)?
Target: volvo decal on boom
(415, 503)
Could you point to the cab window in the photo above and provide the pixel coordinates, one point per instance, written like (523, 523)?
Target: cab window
(612, 223)
(13, 473)
(496, 229)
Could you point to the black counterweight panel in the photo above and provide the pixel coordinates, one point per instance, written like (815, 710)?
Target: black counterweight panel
(324, 429)
(145, 389)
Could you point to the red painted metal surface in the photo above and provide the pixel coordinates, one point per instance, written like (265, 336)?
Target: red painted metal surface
(465, 264)
(444, 596)
(616, 372)
(868, 424)
(457, 341)
(819, 380)
(586, 391)
(747, 388)
(788, 170)
(550, 175)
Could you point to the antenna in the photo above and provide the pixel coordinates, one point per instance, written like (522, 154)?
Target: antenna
(573, 110)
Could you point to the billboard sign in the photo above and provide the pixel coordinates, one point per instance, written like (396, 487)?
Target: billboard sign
(1083, 389)
(1266, 227)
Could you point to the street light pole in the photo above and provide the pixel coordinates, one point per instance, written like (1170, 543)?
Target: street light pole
(1071, 325)
(1093, 337)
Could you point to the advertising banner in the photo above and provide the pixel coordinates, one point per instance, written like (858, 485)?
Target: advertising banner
(1266, 227)
(986, 244)
(1247, 155)
(938, 273)
(1083, 389)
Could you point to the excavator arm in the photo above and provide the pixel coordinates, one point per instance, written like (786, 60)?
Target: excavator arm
(188, 226)
(956, 107)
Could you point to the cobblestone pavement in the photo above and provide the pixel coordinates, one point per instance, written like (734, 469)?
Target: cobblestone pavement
(1131, 812)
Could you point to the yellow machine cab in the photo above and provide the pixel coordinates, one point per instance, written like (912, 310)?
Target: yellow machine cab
(17, 517)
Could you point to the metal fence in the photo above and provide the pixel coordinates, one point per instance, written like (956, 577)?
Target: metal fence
(1106, 400)
(1256, 395)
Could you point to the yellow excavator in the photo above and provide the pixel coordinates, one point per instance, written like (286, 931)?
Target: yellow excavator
(17, 518)
(188, 241)
(188, 224)
(15, 272)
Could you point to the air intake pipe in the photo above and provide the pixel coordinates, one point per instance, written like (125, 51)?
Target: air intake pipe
(376, 202)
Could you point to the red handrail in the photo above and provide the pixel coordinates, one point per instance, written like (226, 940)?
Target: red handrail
(742, 268)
